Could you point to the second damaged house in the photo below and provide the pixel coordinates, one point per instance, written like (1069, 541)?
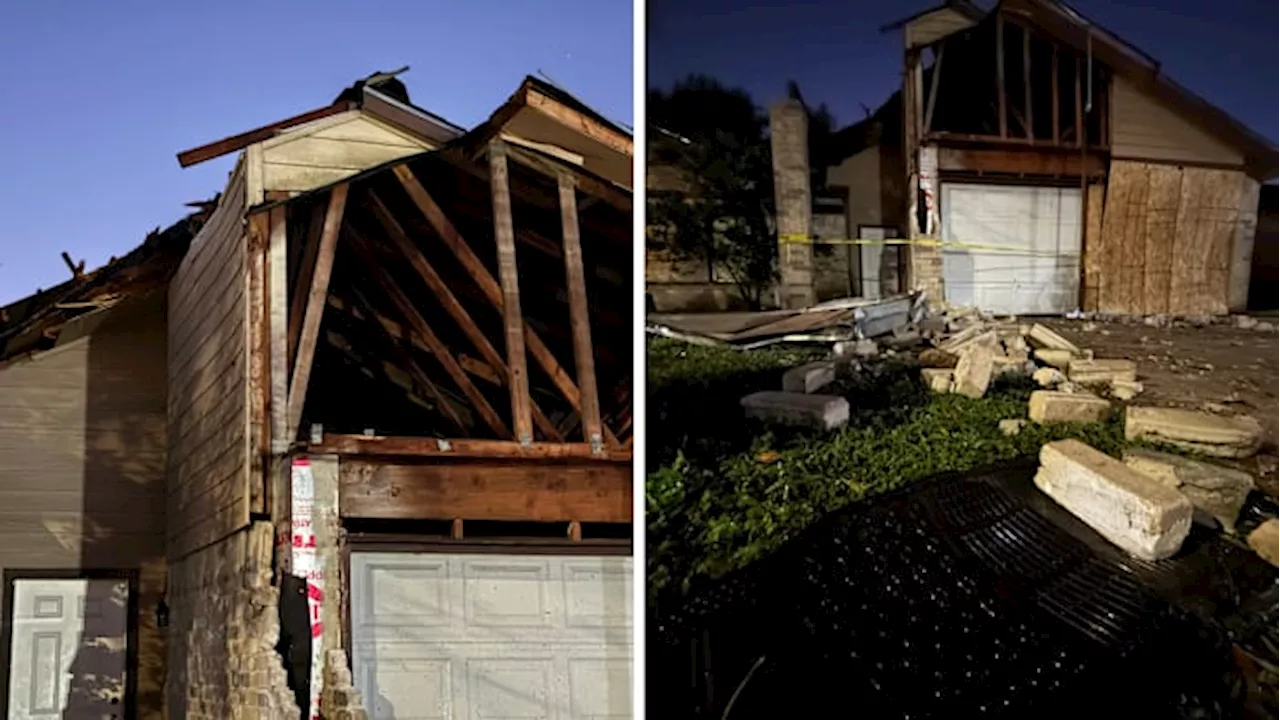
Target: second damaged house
(405, 389)
(1053, 166)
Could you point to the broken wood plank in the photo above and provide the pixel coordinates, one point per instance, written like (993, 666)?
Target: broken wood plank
(387, 446)
(454, 241)
(409, 251)
(1002, 100)
(316, 294)
(455, 529)
(438, 348)
(508, 276)
(575, 531)
(579, 317)
(561, 491)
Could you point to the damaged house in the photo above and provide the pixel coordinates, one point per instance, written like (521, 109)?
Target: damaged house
(365, 444)
(1051, 166)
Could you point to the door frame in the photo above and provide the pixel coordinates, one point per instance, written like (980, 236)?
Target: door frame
(129, 703)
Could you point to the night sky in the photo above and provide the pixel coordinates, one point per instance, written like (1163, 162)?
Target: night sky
(1224, 50)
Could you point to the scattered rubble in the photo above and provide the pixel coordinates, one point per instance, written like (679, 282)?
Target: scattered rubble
(937, 358)
(1012, 426)
(810, 377)
(974, 371)
(1140, 515)
(1126, 390)
(824, 412)
(1265, 540)
(1234, 436)
(938, 379)
(1048, 377)
(1215, 491)
(1049, 406)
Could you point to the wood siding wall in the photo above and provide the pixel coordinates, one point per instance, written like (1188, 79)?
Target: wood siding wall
(209, 442)
(1167, 239)
(82, 464)
(328, 150)
(934, 26)
(1142, 128)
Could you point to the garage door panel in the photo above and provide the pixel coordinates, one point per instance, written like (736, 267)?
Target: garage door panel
(492, 636)
(1027, 254)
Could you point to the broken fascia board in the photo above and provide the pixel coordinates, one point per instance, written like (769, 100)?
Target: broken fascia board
(691, 338)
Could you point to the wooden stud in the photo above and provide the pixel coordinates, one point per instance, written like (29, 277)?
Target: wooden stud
(1026, 82)
(575, 531)
(579, 316)
(277, 300)
(448, 300)
(309, 333)
(1057, 134)
(1080, 139)
(455, 529)
(438, 348)
(933, 88)
(1002, 101)
(306, 270)
(469, 260)
(508, 275)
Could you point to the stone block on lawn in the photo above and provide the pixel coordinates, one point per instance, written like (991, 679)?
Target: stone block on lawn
(1012, 426)
(809, 377)
(1122, 390)
(1214, 490)
(1049, 406)
(1042, 337)
(937, 379)
(1141, 516)
(974, 370)
(1097, 372)
(1234, 436)
(825, 412)
(1054, 358)
(1265, 540)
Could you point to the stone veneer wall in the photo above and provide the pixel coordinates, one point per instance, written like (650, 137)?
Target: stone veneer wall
(224, 626)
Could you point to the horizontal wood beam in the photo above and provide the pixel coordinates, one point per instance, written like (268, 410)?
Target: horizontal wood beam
(508, 490)
(1020, 162)
(391, 446)
(580, 122)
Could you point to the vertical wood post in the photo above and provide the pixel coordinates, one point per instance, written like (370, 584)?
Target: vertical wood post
(1026, 81)
(1079, 105)
(1003, 103)
(933, 89)
(277, 328)
(1057, 139)
(579, 317)
(508, 277)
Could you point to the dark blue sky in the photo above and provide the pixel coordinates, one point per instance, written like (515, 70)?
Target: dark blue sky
(1224, 50)
(100, 96)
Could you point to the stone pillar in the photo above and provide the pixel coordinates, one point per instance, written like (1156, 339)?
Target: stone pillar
(925, 257)
(789, 140)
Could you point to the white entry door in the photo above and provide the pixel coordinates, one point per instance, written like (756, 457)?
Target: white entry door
(1027, 255)
(492, 636)
(69, 658)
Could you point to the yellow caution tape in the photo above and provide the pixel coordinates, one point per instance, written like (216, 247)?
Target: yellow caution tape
(796, 239)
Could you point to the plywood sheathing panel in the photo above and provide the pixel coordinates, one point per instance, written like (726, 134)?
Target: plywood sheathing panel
(1163, 199)
(1095, 203)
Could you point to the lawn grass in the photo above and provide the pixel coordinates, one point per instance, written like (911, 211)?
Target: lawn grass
(723, 491)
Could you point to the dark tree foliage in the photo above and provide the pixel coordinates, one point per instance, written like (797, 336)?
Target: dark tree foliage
(714, 139)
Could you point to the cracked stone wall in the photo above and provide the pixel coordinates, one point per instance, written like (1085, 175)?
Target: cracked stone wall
(224, 625)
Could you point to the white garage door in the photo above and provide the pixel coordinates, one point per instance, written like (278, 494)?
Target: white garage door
(491, 636)
(1029, 259)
